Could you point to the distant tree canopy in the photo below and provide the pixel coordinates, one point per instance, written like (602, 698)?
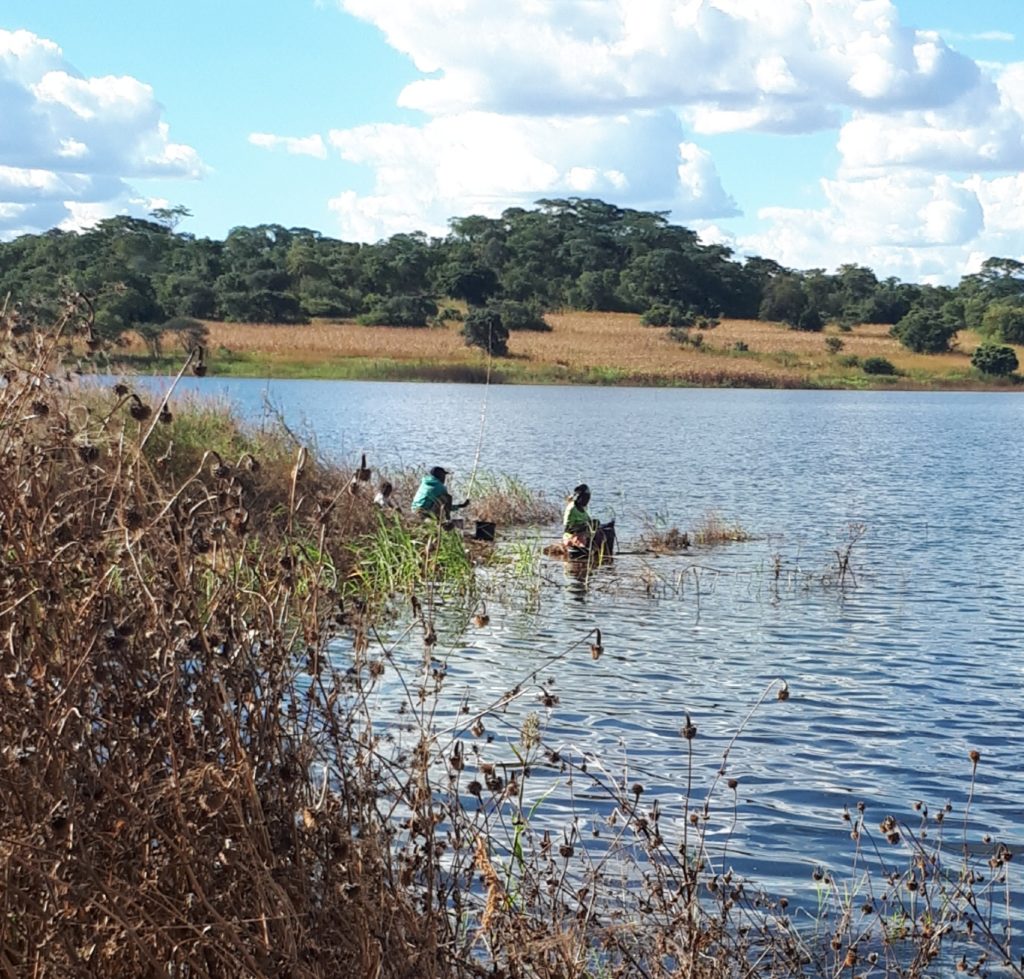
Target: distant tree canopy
(564, 253)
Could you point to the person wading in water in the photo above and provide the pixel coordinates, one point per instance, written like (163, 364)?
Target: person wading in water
(582, 535)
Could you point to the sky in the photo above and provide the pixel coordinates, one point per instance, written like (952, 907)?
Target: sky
(888, 133)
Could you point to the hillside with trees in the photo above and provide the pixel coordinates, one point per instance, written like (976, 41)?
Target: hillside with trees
(582, 254)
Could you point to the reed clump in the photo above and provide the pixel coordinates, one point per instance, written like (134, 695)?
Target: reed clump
(658, 536)
(507, 501)
(713, 529)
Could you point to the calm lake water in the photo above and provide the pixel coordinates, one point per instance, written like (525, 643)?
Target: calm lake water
(893, 681)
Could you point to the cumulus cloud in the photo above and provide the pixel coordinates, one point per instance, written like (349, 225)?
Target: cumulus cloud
(983, 129)
(68, 143)
(483, 162)
(560, 56)
(912, 224)
(295, 145)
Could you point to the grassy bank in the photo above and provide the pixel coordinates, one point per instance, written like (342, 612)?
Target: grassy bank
(587, 348)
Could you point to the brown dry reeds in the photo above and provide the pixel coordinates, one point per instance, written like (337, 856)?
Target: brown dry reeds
(176, 789)
(712, 529)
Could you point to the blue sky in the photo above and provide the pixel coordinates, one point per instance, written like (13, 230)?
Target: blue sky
(815, 132)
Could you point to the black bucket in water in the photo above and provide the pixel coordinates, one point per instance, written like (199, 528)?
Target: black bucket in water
(484, 530)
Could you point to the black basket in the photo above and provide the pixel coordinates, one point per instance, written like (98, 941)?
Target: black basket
(484, 530)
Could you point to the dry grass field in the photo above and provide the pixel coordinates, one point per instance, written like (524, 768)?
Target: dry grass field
(590, 348)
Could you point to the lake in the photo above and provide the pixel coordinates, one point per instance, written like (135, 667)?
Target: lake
(894, 677)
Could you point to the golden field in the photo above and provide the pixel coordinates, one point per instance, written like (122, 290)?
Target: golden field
(588, 348)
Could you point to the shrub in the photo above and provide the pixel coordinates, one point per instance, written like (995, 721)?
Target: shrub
(996, 360)
(445, 314)
(925, 331)
(849, 360)
(398, 311)
(809, 321)
(517, 315)
(877, 365)
(741, 347)
(668, 314)
(833, 344)
(483, 328)
(1004, 321)
(192, 333)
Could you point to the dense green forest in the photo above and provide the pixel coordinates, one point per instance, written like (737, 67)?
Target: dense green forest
(586, 254)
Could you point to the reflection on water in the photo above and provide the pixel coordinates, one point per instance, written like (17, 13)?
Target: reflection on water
(893, 682)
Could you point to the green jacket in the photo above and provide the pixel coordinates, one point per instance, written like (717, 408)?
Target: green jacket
(576, 521)
(432, 496)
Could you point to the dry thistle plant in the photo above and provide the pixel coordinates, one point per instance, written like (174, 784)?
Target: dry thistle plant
(176, 781)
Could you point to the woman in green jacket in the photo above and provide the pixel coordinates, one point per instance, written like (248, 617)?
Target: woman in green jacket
(582, 535)
(432, 499)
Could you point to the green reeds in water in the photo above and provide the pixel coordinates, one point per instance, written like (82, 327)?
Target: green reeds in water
(403, 558)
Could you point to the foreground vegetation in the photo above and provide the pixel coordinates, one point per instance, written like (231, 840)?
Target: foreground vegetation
(195, 780)
(585, 348)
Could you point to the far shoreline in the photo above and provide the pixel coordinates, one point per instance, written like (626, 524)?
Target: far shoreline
(582, 349)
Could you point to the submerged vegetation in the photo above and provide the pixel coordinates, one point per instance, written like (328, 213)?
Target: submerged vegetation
(198, 778)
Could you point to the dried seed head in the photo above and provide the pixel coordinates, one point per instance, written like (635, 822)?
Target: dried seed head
(165, 416)
(784, 691)
(732, 783)
(529, 733)
(689, 730)
(975, 756)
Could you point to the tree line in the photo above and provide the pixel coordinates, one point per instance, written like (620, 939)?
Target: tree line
(579, 253)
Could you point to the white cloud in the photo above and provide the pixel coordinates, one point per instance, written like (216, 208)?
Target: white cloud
(915, 225)
(68, 143)
(981, 130)
(558, 56)
(478, 162)
(998, 36)
(295, 145)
